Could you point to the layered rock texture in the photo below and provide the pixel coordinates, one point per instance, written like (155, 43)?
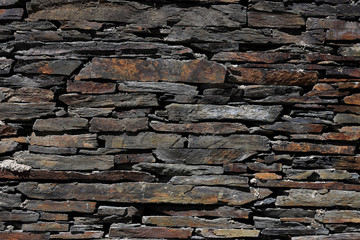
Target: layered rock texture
(164, 119)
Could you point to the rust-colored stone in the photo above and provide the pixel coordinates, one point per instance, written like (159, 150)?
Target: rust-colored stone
(267, 176)
(353, 99)
(202, 127)
(350, 163)
(274, 20)
(345, 108)
(273, 77)
(349, 85)
(22, 236)
(53, 216)
(312, 147)
(79, 141)
(342, 34)
(342, 136)
(265, 57)
(352, 129)
(56, 67)
(340, 216)
(328, 57)
(195, 71)
(31, 95)
(56, 206)
(7, 130)
(235, 167)
(118, 125)
(89, 87)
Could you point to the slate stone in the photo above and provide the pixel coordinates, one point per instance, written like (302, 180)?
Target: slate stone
(256, 91)
(60, 124)
(135, 193)
(13, 14)
(89, 87)
(57, 67)
(134, 158)
(8, 200)
(5, 65)
(89, 112)
(25, 111)
(319, 198)
(347, 118)
(56, 206)
(265, 57)
(4, 3)
(144, 140)
(342, 34)
(45, 227)
(182, 221)
(157, 87)
(235, 168)
(226, 233)
(275, 20)
(41, 81)
(316, 161)
(110, 100)
(8, 146)
(336, 236)
(353, 99)
(84, 235)
(312, 148)
(265, 222)
(242, 142)
(23, 236)
(58, 162)
(19, 216)
(350, 163)
(260, 167)
(53, 216)
(7, 130)
(294, 127)
(210, 180)
(65, 141)
(118, 125)
(178, 169)
(293, 230)
(45, 36)
(195, 71)
(194, 113)
(319, 174)
(202, 127)
(52, 150)
(340, 216)
(31, 95)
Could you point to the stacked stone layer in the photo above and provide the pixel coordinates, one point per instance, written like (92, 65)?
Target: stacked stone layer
(197, 119)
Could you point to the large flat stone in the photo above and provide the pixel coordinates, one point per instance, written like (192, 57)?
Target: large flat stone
(319, 198)
(246, 143)
(31, 95)
(312, 148)
(45, 227)
(275, 20)
(25, 111)
(118, 125)
(60, 124)
(340, 216)
(19, 216)
(11, 14)
(194, 71)
(178, 169)
(157, 87)
(144, 140)
(65, 141)
(141, 193)
(89, 87)
(58, 162)
(23, 236)
(227, 233)
(270, 57)
(8, 146)
(211, 180)
(57, 67)
(57, 206)
(337, 236)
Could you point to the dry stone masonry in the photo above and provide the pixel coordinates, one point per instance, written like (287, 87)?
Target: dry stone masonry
(187, 119)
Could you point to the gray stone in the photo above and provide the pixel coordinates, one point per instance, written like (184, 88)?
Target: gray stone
(265, 222)
(8, 200)
(52, 150)
(178, 169)
(157, 87)
(25, 111)
(347, 118)
(19, 216)
(209, 180)
(60, 124)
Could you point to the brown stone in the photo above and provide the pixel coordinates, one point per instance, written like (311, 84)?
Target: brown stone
(121, 100)
(319, 174)
(60, 124)
(342, 34)
(345, 108)
(18, 216)
(273, 77)
(194, 113)
(55, 206)
(309, 185)
(351, 129)
(319, 198)
(178, 169)
(58, 162)
(53, 216)
(135, 193)
(7, 130)
(223, 211)
(184, 221)
(202, 127)
(211, 180)
(344, 72)
(84, 25)
(349, 85)
(77, 236)
(90, 112)
(144, 140)
(22, 236)
(134, 158)
(312, 147)
(275, 20)
(261, 167)
(351, 163)
(347, 118)
(118, 125)
(77, 141)
(353, 99)
(294, 127)
(242, 142)
(56, 67)
(122, 230)
(89, 87)
(45, 227)
(341, 216)
(11, 14)
(235, 168)
(195, 71)
(267, 176)
(328, 57)
(342, 136)
(227, 233)
(25, 111)
(103, 176)
(265, 57)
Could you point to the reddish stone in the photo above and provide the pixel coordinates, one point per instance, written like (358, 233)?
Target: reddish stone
(345, 108)
(53, 216)
(331, 80)
(11, 14)
(134, 158)
(349, 85)
(22, 236)
(308, 185)
(350, 163)
(45, 227)
(203, 127)
(118, 125)
(297, 219)
(89, 87)
(353, 99)
(77, 141)
(274, 20)
(273, 77)
(266, 57)
(55, 206)
(344, 136)
(7, 130)
(342, 34)
(103, 176)
(312, 147)
(267, 176)
(195, 71)
(334, 93)
(353, 129)
(121, 230)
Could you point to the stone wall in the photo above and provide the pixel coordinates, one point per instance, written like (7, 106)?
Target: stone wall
(197, 119)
